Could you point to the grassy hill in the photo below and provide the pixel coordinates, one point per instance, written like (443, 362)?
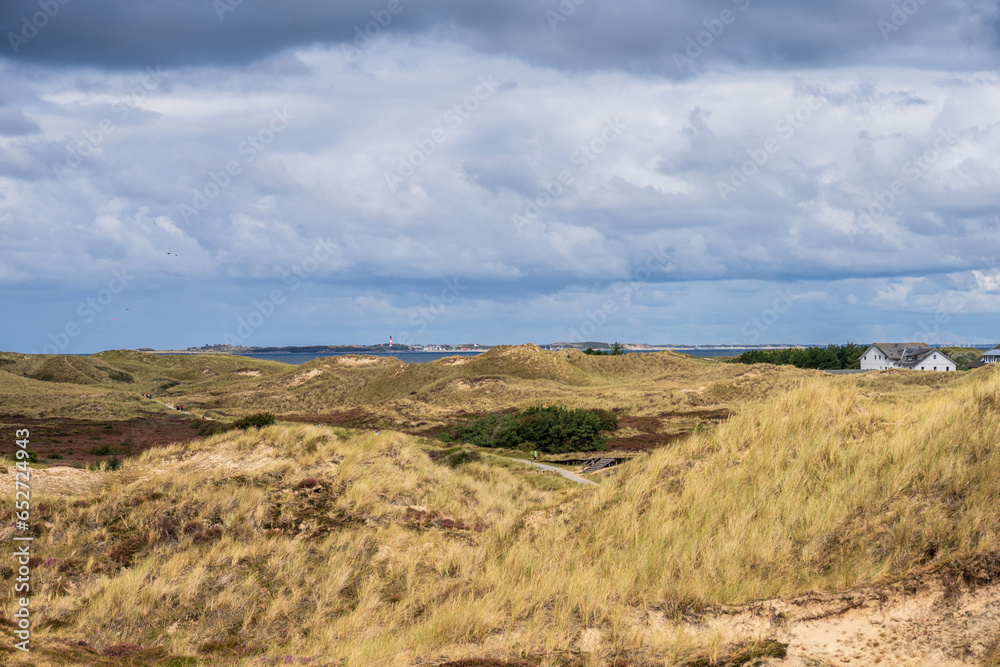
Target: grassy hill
(357, 549)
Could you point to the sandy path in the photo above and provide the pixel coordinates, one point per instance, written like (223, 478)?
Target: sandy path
(565, 473)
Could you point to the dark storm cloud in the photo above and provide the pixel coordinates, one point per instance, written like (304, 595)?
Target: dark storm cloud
(674, 39)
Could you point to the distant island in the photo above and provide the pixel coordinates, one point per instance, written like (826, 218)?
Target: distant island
(327, 349)
(382, 348)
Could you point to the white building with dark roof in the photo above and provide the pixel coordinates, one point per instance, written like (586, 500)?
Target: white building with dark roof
(910, 356)
(988, 357)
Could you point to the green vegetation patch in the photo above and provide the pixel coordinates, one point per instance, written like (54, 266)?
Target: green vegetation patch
(552, 429)
(259, 420)
(116, 375)
(617, 350)
(962, 356)
(830, 358)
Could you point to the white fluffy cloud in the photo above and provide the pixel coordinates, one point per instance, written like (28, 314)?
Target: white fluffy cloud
(440, 151)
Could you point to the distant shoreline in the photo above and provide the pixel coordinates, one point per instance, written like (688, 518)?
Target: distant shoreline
(386, 351)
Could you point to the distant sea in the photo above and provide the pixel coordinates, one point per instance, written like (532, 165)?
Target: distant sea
(407, 357)
(424, 357)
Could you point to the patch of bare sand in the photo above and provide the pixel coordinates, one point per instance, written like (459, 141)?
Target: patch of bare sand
(61, 480)
(454, 361)
(477, 383)
(302, 378)
(357, 361)
(944, 619)
(251, 373)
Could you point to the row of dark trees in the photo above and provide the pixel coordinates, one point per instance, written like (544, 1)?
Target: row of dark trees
(829, 358)
(616, 350)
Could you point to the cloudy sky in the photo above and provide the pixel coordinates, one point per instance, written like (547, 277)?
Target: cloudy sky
(663, 171)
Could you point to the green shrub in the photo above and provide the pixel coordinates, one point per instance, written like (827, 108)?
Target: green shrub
(609, 420)
(962, 357)
(113, 464)
(259, 420)
(616, 351)
(119, 376)
(105, 450)
(549, 429)
(457, 456)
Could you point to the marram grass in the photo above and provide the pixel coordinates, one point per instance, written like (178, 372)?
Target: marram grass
(363, 551)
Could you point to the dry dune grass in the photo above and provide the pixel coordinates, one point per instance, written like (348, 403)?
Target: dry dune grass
(405, 394)
(35, 398)
(109, 385)
(826, 487)
(61, 480)
(363, 551)
(288, 537)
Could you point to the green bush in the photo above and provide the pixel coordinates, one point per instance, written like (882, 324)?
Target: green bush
(113, 464)
(457, 456)
(552, 430)
(609, 420)
(832, 357)
(962, 357)
(616, 351)
(259, 420)
(118, 376)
